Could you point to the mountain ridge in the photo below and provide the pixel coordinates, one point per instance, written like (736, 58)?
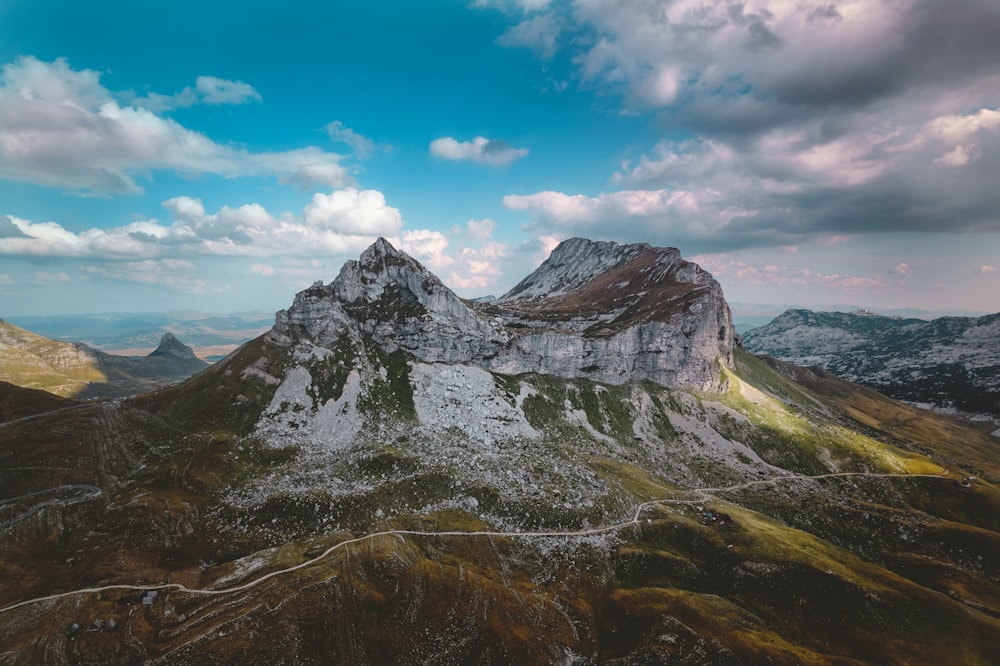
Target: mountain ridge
(677, 340)
(73, 369)
(948, 362)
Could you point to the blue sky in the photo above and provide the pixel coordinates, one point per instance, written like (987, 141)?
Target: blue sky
(221, 155)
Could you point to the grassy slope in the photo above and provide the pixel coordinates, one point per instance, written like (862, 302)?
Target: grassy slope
(34, 361)
(17, 402)
(958, 443)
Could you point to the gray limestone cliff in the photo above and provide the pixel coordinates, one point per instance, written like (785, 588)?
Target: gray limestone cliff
(612, 313)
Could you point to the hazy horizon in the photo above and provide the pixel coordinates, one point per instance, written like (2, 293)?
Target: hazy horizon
(739, 310)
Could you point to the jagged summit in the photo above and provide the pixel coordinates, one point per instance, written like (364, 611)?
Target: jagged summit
(574, 263)
(389, 297)
(609, 312)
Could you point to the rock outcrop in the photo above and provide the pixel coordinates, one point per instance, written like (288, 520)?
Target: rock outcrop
(617, 313)
(609, 312)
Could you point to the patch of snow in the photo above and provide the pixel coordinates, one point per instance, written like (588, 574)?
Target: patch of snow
(308, 354)
(254, 371)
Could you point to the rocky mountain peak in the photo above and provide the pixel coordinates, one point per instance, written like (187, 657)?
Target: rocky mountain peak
(571, 265)
(605, 274)
(383, 250)
(390, 297)
(601, 289)
(609, 312)
(382, 270)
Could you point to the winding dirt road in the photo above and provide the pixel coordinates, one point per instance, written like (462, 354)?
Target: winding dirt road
(705, 493)
(85, 493)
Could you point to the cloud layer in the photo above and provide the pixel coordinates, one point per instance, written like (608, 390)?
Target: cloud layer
(209, 90)
(342, 222)
(299, 248)
(60, 127)
(785, 120)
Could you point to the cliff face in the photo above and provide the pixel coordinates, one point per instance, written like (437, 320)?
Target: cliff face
(618, 313)
(608, 312)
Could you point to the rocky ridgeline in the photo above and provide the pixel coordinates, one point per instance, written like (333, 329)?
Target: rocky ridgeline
(608, 312)
(951, 362)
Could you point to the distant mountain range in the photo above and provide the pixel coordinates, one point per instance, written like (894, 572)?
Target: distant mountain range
(212, 336)
(73, 369)
(950, 362)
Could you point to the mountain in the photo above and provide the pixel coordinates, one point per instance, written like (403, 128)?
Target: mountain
(586, 470)
(138, 333)
(608, 312)
(73, 369)
(950, 362)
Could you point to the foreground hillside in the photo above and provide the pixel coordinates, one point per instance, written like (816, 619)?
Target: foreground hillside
(951, 362)
(72, 369)
(393, 475)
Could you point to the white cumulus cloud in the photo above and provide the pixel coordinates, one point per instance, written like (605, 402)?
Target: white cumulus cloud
(539, 33)
(359, 143)
(324, 174)
(480, 150)
(342, 222)
(353, 211)
(207, 90)
(480, 230)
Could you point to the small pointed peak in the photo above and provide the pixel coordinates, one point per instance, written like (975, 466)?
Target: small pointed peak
(169, 344)
(378, 251)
